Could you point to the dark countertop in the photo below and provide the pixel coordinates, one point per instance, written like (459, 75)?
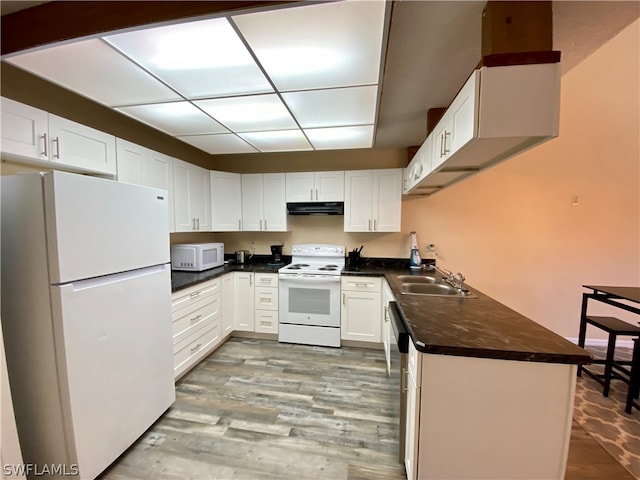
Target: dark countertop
(181, 280)
(471, 327)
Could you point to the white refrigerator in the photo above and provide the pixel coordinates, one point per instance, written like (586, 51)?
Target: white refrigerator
(86, 316)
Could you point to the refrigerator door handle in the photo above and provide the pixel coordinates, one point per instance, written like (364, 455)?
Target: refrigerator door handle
(115, 277)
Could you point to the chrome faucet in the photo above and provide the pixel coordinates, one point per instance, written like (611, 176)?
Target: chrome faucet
(455, 280)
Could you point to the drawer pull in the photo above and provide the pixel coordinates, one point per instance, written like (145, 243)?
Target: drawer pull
(195, 319)
(197, 347)
(195, 294)
(265, 323)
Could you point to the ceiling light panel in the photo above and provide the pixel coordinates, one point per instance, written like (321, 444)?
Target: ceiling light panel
(333, 107)
(249, 114)
(219, 144)
(97, 71)
(341, 137)
(278, 141)
(324, 45)
(176, 118)
(199, 59)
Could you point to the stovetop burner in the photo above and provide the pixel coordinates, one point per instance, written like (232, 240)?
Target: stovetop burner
(316, 259)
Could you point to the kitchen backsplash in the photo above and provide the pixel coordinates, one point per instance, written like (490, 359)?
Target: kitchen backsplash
(306, 229)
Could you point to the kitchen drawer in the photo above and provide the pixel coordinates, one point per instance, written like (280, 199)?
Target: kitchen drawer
(192, 298)
(266, 298)
(266, 321)
(362, 284)
(186, 324)
(188, 352)
(266, 280)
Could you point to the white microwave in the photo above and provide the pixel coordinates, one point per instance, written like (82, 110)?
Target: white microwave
(195, 257)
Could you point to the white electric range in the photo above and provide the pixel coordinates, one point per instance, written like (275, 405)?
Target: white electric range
(309, 295)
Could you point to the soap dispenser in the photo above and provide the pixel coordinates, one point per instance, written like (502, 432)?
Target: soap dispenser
(415, 262)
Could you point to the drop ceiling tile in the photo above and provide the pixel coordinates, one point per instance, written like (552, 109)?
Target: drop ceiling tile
(176, 118)
(318, 46)
(97, 71)
(333, 107)
(277, 141)
(218, 144)
(199, 59)
(340, 137)
(249, 114)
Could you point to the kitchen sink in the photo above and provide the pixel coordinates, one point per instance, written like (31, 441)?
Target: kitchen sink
(419, 279)
(434, 290)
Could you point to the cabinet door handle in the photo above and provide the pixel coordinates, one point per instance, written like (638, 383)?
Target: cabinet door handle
(316, 194)
(250, 279)
(265, 223)
(45, 151)
(403, 380)
(446, 134)
(239, 224)
(193, 223)
(260, 224)
(441, 146)
(369, 224)
(375, 227)
(57, 142)
(198, 223)
(311, 191)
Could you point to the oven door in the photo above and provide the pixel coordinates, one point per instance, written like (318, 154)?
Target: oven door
(309, 299)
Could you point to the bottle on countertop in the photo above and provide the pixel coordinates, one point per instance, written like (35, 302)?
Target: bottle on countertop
(415, 261)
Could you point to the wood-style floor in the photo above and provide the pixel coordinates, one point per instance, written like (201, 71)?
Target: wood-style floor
(257, 409)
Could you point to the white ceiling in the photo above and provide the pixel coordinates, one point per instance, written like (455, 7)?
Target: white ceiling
(290, 79)
(432, 48)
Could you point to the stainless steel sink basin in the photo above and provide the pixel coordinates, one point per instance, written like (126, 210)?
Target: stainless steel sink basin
(435, 290)
(419, 279)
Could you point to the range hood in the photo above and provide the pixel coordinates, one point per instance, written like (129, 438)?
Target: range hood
(315, 208)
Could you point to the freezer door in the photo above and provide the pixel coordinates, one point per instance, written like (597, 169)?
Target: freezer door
(115, 357)
(98, 227)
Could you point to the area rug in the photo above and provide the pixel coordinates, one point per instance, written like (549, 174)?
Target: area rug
(605, 420)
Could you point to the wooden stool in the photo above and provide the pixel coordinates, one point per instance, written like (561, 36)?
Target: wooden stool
(634, 381)
(614, 327)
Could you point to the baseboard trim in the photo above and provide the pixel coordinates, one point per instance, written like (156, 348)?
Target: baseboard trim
(602, 342)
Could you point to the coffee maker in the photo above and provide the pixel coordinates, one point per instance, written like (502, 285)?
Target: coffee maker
(276, 256)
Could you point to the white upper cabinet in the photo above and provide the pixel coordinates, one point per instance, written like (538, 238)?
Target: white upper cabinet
(264, 206)
(498, 113)
(192, 201)
(34, 136)
(419, 166)
(373, 200)
(25, 131)
(142, 166)
(315, 186)
(76, 145)
(226, 202)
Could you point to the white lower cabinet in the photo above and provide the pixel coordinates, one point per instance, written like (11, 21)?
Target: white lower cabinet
(413, 375)
(361, 311)
(244, 301)
(195, 313)
(266, 303)
(227, 304)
